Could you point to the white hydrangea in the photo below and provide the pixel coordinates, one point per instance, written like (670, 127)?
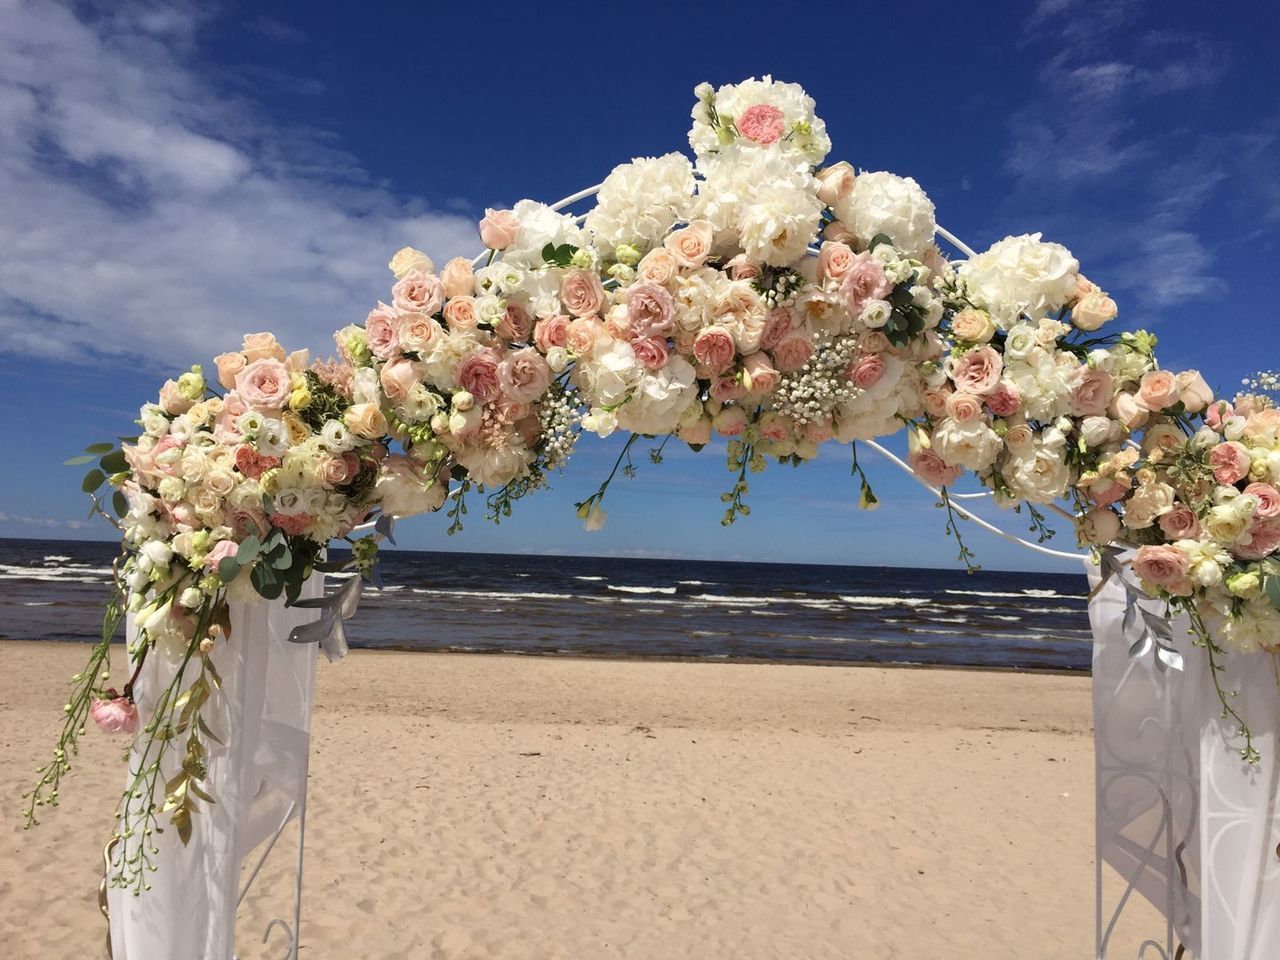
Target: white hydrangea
(640, 201)
(1255, 627)
(610, 375)
(761, 203)
(539, 225)
(1040, 474)
(1021, 275)
(803, 134)
(896, 206)
(660, 399)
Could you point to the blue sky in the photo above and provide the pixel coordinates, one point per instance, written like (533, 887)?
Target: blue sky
(174, 175)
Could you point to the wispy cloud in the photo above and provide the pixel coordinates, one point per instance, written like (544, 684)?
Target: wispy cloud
(151, 211)
(46, 523)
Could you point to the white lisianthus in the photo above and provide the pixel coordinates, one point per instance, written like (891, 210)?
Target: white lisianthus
(273, 438)
(420, 405)
(876, 314)
(1021, 275)
(972, 445)
(365, 387)
(1205, 561)
(639, 202)
(158, 552)
(336, 438)
(190, 598)
(660, 399)
(884, 203)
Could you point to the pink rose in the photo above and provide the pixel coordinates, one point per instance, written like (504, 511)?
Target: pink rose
(460, 314)
(1180, 523)
(658, 265)
(524, 375)
(727, 388)
(418, 292)
(582, 293)
(1263, 539)
(780, 322)
(730, 422)
(650, 309)
(761, 123)
(1129, 410)
(1091, 390)
(171, 401)
(551, 332)
(1158, 390)
(692, 244)
(866, 371)
(819, 431)
(583, 332)
(458, 278)
(651, 352)
(245, 522)
(229, 364)
(835, 182)
(864, 281)
(264, 384)
(261, 346)
(516, 325)
(835, 260)
(776, 427)
(617, 324)
(1268, 500)
(964, 407)
(221, 551)
(932, 469)
(762, 374)
(117, 715)
(1100, 526)
(335, 471)
(1217, 413)
(1193, 391)
(935, 401)
(418, 332)
(740, 268)
(1230, 462)
(382, 332)
(792, 352)
(1004, 400)
(498, 229)
(478, 375)
(398, 378)
(697, 433)
(978, 371)
(1162, 565)
(1112, 490)
(714, 349)
(294, 524)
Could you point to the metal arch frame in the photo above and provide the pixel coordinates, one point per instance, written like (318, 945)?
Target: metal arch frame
(293, 931)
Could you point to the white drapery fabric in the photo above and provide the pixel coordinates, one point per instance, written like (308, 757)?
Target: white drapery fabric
(257, 777)
(1180, 817)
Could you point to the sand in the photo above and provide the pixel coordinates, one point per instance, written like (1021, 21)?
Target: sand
(511, 807)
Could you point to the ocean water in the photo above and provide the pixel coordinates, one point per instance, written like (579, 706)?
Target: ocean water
(485, 603)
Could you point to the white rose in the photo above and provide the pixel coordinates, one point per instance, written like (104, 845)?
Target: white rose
(1097, 431)
(557, 359)
(153, 421)
(1041, 476)
(157, 552)
(883, 203)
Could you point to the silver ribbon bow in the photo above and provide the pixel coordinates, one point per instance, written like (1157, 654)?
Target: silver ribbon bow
(338, 607)
(1153, 631)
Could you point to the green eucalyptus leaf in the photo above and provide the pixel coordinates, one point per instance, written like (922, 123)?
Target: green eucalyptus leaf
(77, 461)
(99, 448)
(114, 462)
(120, 502)
(249, 548)
(93, 480)
(228, 569)
(1273, 591)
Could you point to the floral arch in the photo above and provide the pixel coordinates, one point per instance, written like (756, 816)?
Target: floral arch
(757, 293)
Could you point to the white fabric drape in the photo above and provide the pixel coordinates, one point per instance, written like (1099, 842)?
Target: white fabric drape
(1180, 817)
(257, 778)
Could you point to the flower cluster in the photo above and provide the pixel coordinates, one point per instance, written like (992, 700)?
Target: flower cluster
(754, 292)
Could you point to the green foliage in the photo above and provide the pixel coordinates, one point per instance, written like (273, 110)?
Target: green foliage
(560, 256)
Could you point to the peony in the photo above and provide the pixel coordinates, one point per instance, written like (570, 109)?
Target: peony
(478, 374)
(1004, 400)
(1042, 475)
(972, 445)
(1260, 540)
(498, 229)
(524, 375)
(405, 488)
(1230, 462)
(1021, 275)
(117, 715)
(792, 351)
(883, 203)
(264, 384)
(582, 293)
(765, 116)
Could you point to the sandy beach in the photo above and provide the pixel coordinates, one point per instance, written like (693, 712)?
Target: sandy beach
(512, 807)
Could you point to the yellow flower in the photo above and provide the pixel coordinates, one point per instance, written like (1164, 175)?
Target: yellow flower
(298, 431)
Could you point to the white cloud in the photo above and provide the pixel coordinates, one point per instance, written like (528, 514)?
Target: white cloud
(47, 523)
(149, 213)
